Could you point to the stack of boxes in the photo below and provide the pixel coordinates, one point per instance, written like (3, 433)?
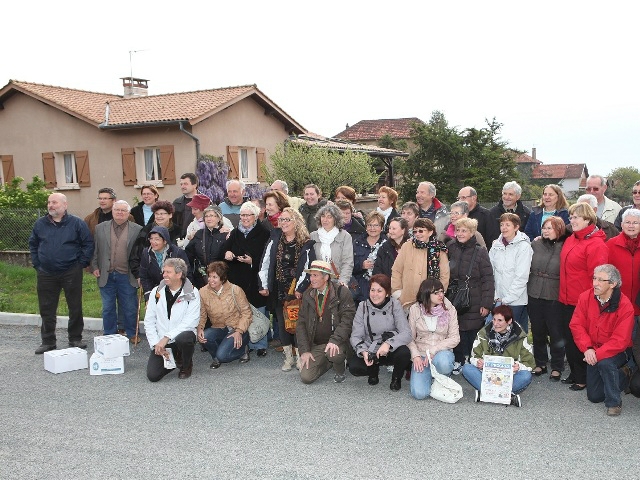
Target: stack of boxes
(65, 360)
(108, 358)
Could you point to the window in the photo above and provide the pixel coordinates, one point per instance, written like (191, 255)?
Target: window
(246, 163)
(148, 165)
(66, 170)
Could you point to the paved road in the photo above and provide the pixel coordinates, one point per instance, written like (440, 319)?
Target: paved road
(254, 421)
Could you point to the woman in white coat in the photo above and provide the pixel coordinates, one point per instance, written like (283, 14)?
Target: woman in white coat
(510, 257)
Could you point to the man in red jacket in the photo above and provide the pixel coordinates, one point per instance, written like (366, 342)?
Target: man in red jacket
(601, 326)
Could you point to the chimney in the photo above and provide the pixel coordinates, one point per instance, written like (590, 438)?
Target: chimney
(533, 153)
(134, 87)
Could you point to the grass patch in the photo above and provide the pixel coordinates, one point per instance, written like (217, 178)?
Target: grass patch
(18, 292)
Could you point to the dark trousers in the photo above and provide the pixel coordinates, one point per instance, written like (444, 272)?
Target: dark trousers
(463, 349)
(182, 347)
(575, 358)
(605, 380)
(400, 358)
(49, 287)
(546, 327)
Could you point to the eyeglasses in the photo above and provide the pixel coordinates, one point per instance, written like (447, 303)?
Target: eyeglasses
(456, 214)
(592, 189)
(421, 230)
(212, 215)
(245, 215)
(284, 220)
(121, 210)
(373, 225)
(464, 197)
(630, 223)
(601, 280)
(636, 192)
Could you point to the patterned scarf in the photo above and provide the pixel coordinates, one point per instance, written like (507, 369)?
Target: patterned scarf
(434, 248)
(437, 311)
(498, 341)
(283, 277)
(245, 230)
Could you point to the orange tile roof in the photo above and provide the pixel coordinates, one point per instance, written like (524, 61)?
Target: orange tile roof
(560, 171)
(524, 158)
(375, 129)
(190, 106)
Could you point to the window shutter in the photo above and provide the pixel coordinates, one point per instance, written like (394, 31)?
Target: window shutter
(8, 172)
(232, 160)
(82, 168)
(168, 164)
(129, 166)
(49, 169)
(261, 159)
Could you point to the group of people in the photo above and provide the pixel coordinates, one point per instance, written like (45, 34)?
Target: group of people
(368, 289)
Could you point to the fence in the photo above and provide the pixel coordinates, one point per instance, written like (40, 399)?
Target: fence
(16, 225)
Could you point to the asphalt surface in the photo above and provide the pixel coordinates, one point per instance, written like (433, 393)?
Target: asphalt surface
(254, 421)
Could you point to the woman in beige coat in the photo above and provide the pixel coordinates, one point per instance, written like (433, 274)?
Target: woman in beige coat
(434, 327)
(420, 258)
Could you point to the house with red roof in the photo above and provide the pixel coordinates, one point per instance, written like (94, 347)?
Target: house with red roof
(369, 132)
(571, 177)
(80, 141)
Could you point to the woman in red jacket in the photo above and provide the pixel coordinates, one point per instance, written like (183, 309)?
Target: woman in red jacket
(582, 252)
(624, 254)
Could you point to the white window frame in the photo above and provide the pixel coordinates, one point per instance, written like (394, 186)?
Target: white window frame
(247, 164)
(141, 167)
(62, 183)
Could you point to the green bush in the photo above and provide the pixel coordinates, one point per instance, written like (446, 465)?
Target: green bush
(19, 209)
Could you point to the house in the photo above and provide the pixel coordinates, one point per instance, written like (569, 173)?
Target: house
(369, 132)
(80, 141)
(572, 177)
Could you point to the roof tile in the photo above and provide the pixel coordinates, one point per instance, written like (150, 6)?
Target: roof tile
(375, 129)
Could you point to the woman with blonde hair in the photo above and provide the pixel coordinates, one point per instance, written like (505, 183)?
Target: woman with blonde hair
(287, 253)
(387, 203)
(552, 203)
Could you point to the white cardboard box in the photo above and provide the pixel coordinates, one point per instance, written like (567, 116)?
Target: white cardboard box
(99, 365)
(111, 346)
(65, 360)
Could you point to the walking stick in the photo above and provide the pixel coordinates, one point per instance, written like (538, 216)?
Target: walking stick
(138, 318)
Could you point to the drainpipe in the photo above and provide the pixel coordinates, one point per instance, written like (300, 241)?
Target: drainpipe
(195, 139)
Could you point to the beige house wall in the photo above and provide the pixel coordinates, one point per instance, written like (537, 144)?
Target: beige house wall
(29, 128)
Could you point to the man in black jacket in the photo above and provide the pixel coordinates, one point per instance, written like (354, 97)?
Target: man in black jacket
(510, 203)
(182, 215)
(477, 211)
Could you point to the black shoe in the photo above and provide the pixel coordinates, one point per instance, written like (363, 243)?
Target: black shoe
(569, 380)
(77, 344)
(554, 378)
(203, 348)
(44, 348)
(262, 352)
(539, 372)
(215, 364)
(576, 388)
(373, 380)
(185, 372)
(395, 384)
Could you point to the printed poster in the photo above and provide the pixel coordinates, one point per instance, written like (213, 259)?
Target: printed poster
(497, 379)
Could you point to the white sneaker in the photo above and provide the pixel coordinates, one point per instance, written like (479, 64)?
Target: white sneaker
(515, 400)
(477, 398)
(457, 368)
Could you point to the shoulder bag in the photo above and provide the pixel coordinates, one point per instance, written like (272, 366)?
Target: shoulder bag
(443, 388)
(259, 322)
(459, 295)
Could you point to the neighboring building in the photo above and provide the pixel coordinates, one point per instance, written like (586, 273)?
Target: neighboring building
(79, 141)
(369, 132)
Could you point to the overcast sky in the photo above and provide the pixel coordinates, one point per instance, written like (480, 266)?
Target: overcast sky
(561, 76)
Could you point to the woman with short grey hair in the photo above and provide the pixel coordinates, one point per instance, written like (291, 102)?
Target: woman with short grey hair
(333, 243)
(458, 210)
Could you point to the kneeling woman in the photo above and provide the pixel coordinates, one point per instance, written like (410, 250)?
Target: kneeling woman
(434, 329)
(228, 309)
(380, 334)
(505, 338)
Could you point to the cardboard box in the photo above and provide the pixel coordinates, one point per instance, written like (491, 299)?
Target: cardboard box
(65, 360)
(111, 346)
(99, 365)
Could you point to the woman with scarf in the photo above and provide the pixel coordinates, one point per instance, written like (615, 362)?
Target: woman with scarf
(421, 258)
(434, 328)
(275, 202)
(582, 252)
(242, 251)
(397, 236)
(365, 252)
(206, 245)
(502, 337)
(387, 201)
(543, 288)
(288, 252)
(380, 334)
(332, 243)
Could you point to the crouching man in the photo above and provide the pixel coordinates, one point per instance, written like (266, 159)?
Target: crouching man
(601, 325)
(173, 312)
(324, 325)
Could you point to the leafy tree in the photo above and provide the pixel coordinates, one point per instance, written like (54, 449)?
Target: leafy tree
(451, 159)
(300, 165)
(19, 209)
(621, 181)
(13, 196)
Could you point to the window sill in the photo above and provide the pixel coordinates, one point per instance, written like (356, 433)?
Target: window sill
(155, 184)
(68, 187)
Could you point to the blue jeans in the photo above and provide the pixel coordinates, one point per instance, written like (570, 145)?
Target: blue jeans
(473, 375)
(220, 345)
(263, 343)
(605, 380)
(119, 299)
(420, 383)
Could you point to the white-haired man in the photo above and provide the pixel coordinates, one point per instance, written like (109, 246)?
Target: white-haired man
(230, 206)
(430, 207)
(607, 208)
(281, 185)
(114, 240)
(601, 325)
(509, 203)
(607, 227)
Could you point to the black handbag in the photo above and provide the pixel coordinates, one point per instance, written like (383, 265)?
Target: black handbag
(459, 295)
